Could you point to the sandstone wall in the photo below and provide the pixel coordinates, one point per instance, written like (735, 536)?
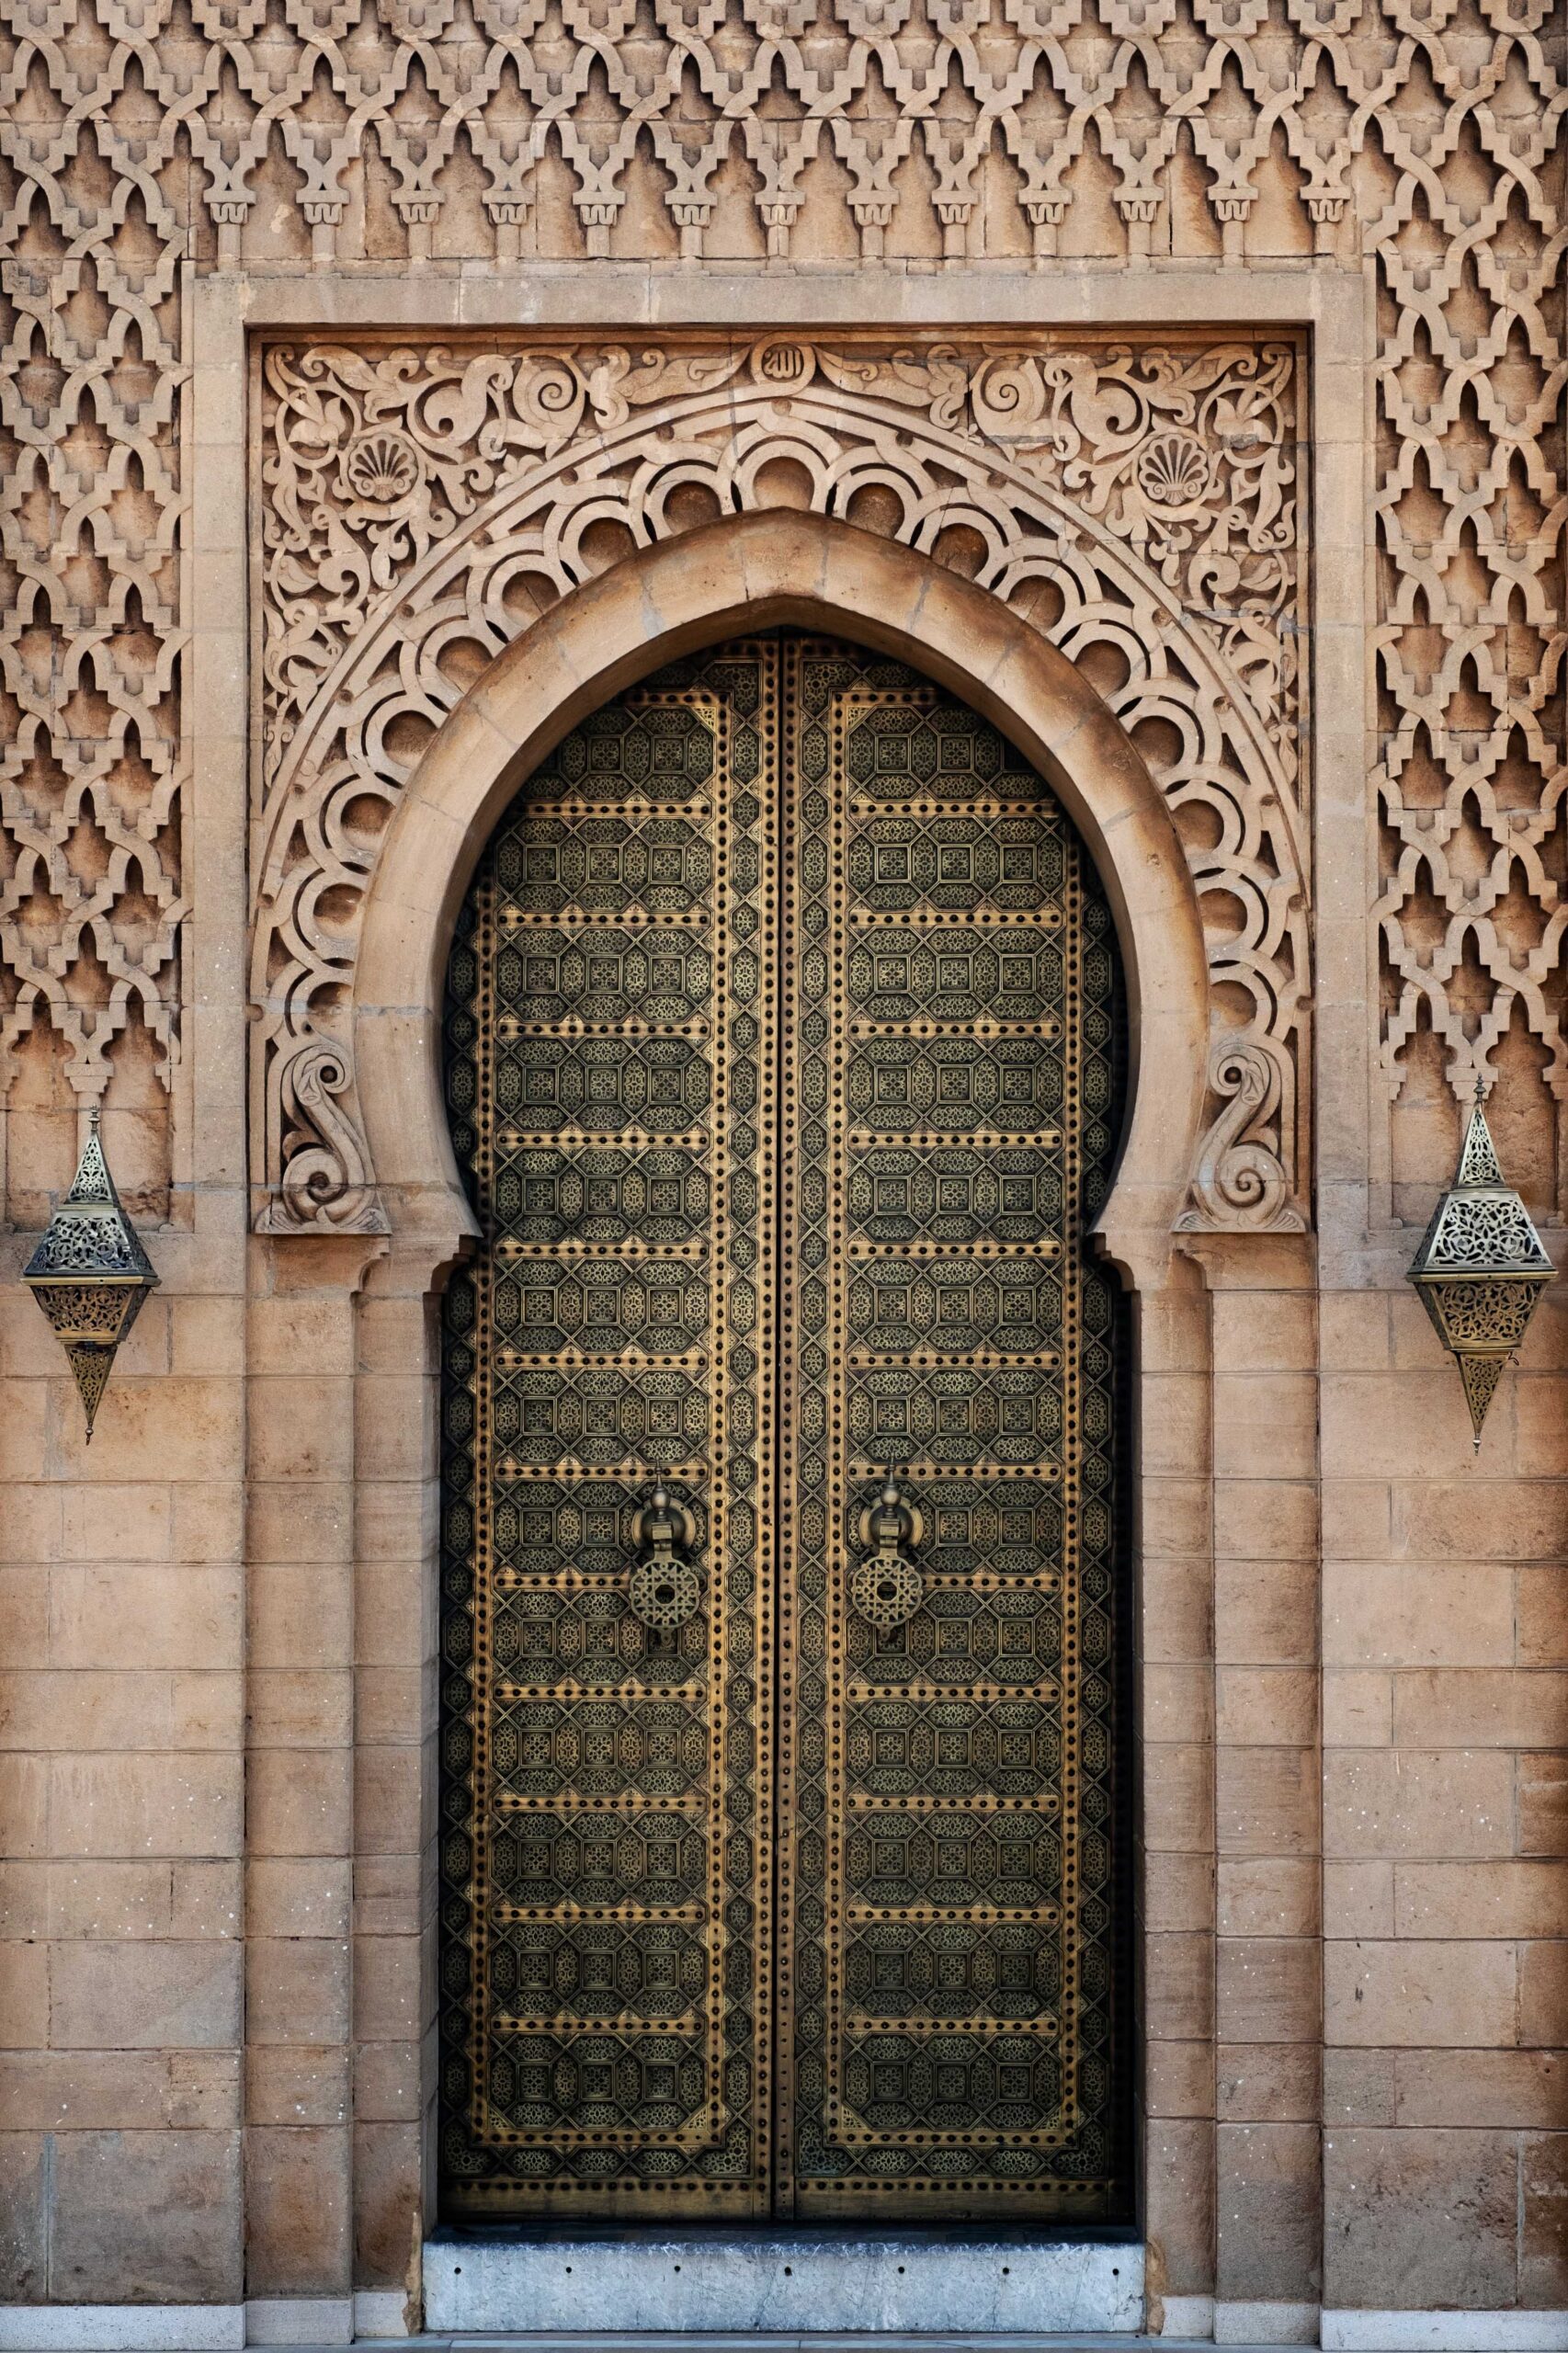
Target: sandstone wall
(215, 1626)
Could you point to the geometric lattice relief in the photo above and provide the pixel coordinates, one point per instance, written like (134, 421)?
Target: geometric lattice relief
(1421, 139)
(1140, 506)
(783, 1856)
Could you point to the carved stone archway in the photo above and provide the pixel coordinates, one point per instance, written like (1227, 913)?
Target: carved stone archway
(753, 572)
(1130, 516)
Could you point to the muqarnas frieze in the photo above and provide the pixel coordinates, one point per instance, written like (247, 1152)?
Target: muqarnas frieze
(1138, 505)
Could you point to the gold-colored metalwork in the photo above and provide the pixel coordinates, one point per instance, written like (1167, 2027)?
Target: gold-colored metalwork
(1481, 1268)
(782, 1834)
(90, 1274)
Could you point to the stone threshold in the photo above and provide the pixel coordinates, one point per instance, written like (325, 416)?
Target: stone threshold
(914, 2283)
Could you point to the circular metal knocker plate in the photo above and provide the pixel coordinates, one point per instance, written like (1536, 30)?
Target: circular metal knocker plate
(663, 1594)
(886, 1592)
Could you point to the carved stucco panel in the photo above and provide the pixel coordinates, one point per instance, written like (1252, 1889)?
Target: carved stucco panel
(1139, 506)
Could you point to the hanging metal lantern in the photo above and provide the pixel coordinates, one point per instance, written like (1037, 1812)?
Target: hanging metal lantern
(90, 1274)
(1481, 1268)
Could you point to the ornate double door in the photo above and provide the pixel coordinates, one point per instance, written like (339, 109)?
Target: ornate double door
(780, 1837)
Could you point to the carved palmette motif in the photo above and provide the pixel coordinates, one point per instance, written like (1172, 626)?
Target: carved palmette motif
(783, 1059)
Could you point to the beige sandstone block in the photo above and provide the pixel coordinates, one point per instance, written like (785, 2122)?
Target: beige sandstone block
(1357, 1899)
(190, 1428)
(298, 1336)
(393, 1617)
(144, 1994)
(209, 1521)
(285, 1897)
(1268, 2082)
(1468, 1706)
(1543, 2200)
(392, 1799)
(1504, 2088)
(1265, 1426)
(303, 1524)
(394, 1425)
(1178, 1702)
(23, 2217)
(1269, 1989)
(1178, 1988)
(1417, 1802)
(297, 2197)
(1265, 1332)
(389, 1701)
(395, 1520)
(1176, 1519)
(136, 1805)
(151, 1614)
(389, 1989)
(1382, 2189)
(300, 1617)
(1177, 1618)
(1354, 1331)
(1543, 1616)
(293, 2085)
(1481, 1899)
(1358, 2088)
(394, 1895)
(1358, 1514)
(1260, 1707)
(24, 1614)
(159, 2208)
(133, 1522)
(1417, 1614)
(30, 1525)
(208, 1335)
(111, 2090)
(297, 1990)
(1492, 1520)
(1268, 1518)
(1357, 1708)
(299, 1710)
(1265, 1612)
(1266, 1800)
(1542, 1804)
(298, 1800)
(1543, 1993)
(1178, 2156)
(387, 2202)
(24, 1995)
(1178, 1798)
(1267, 2203)
(1271, 1896)
(389, 2086)
(1416, 1994)
(300, 1428)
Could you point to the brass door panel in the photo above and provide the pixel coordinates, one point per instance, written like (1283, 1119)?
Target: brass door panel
(781, 1820)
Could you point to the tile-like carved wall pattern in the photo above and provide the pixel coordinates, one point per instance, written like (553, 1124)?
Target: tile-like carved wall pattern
(1425, 135)
(1138, 505)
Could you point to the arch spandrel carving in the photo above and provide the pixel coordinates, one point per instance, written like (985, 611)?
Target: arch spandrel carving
(1137, 507)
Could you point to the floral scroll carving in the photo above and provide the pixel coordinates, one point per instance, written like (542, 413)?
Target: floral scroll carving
(1138, 505)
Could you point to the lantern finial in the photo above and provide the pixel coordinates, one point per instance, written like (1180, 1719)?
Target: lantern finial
(1481, 1266)
(90, 1274)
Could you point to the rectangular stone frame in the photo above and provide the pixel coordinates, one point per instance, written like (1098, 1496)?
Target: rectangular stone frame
(342, 1444)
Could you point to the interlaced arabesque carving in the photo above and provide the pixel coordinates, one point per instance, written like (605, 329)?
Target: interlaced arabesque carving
(1426, 137)
(1140, 506)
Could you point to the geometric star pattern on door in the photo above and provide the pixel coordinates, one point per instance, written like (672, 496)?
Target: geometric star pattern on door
(762, 1893)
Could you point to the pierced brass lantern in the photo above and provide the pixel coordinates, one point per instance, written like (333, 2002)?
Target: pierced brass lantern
(1481, 1268)
(90, 1274)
